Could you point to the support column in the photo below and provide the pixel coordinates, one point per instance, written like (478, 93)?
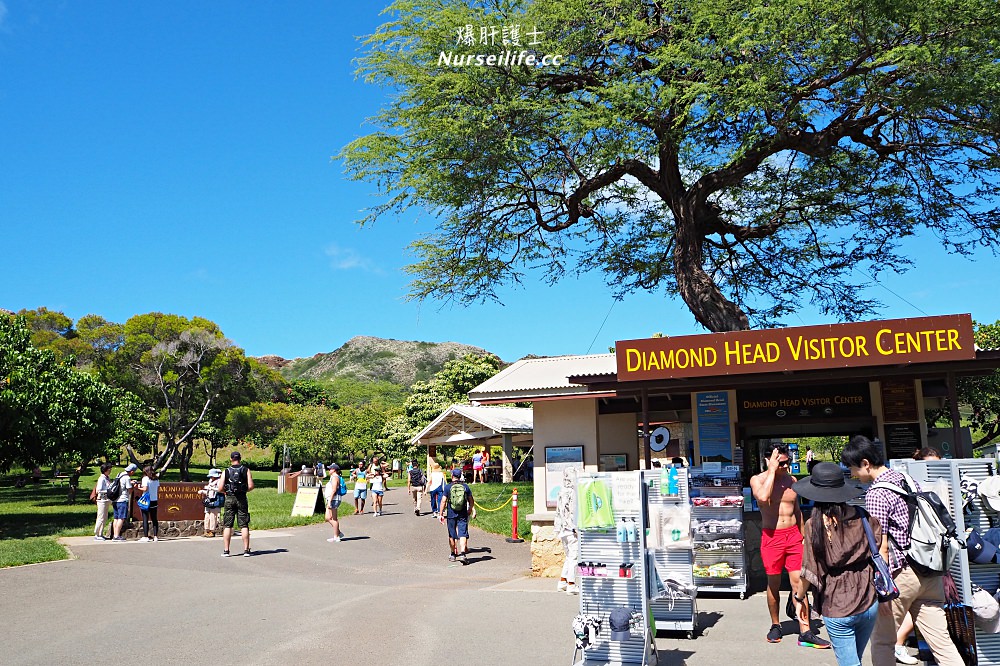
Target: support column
(957, 445)
(508, 452)
(431, 454)
(645, 429)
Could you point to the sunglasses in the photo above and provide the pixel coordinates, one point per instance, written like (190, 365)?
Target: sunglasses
(782, 463)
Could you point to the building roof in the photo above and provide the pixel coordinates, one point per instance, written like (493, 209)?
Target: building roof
(461, 423)
(536, 378)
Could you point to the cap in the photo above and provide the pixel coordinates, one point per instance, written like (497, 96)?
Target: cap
(214, 473)
(989, 491)
(620, 621)
(131, 467)
(333, 466)
(235, 455)
(980, 550)
(456, 473)
(986, 610)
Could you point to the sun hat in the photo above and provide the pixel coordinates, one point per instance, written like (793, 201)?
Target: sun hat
(989, 491)
(214, 473)
(620, 621)
(826, 484)
(981, 551)
(986, 609)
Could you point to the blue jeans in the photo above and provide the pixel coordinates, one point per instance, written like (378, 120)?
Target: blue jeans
(436, 499)
(849, 635)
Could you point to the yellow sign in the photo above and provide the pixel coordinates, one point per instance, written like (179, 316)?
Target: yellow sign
(306, 500)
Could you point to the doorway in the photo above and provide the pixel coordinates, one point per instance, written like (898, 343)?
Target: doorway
(826, 438)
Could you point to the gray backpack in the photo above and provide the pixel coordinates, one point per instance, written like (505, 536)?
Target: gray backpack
(934, 542)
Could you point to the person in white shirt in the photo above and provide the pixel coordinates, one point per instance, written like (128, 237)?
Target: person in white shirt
(435, 487)
(150, 484)
(214, 497)
(103, 504)
(122, 503)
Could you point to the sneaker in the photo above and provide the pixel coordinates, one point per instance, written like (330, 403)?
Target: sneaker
(333, 539)
(118, 539)
(99, 538)
(571, 589)
(156, 538)
(246, 553)
(903, 656)
(561, 585)
(225, 553)
(451, 558)
(144, 539)
(463, 558)
(774, 635)
(416, 512)
(809, 639)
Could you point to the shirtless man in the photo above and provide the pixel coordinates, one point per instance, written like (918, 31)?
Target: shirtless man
(781, 539)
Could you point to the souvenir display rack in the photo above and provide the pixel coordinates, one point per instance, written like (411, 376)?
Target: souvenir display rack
(604, 589)
(672, 593)
(962, 475)
(720, 562)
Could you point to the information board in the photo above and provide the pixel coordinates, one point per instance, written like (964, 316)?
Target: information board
(306, 501)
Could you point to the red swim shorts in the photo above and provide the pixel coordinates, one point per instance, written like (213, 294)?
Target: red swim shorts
(781, 549)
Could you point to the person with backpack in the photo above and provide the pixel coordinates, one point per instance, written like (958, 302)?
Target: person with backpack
(416, 483)
(100, 495)
(336, 488)
(150, 486)
(920, 592)
(236, 483)
(120, 492)
(456, 510)
(213, 499)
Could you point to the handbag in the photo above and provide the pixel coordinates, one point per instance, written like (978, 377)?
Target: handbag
(885, 586)
(143, 501)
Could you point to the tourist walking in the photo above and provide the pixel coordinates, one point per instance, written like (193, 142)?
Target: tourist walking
(214, 498)
(100, 496)
(837, 562)
(781, 540)
(477, 467)
(457, 508)
(416, 483)
(435, 487)
(237, 482)
(122, 502)
(333, 499)
(565, 529)
(377, 478)
(922, 596)
(360, 479)
(150, 485)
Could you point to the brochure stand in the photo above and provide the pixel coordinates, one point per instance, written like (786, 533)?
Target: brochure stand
(720, 562)
(611, 572)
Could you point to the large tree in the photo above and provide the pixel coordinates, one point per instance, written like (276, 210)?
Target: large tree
(978, 395)
(745, 155)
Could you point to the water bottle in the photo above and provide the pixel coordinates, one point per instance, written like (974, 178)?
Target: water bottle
(631, 531)
(672, 482)
(621, 534)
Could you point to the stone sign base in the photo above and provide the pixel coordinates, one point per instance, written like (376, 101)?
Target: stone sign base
(168, 528)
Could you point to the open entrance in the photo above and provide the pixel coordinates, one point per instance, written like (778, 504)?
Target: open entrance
(826, 438)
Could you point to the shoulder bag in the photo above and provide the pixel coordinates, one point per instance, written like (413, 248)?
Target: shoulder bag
(885, 586)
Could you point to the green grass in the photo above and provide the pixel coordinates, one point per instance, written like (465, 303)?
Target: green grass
(33, 517)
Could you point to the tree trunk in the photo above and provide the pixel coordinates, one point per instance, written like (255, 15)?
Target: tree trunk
(703, 297)
(184, 461)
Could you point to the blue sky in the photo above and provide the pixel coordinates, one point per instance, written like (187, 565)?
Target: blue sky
(176, 157)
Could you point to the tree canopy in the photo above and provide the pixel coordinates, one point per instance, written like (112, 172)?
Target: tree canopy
(748, 156)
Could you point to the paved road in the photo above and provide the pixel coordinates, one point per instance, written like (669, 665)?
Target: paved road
(386, 595)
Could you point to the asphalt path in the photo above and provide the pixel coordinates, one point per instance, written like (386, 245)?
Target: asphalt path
(385, 595)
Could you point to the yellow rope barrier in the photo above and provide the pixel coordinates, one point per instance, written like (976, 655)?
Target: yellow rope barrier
(479, 506)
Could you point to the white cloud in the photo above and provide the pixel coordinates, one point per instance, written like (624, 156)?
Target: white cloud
(346, 259)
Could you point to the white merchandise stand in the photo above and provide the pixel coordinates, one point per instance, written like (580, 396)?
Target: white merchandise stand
(671, 612)
(599, 595)
(987, 576)
(719, 532)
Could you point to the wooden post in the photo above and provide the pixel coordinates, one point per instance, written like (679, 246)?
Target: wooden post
(645, 429)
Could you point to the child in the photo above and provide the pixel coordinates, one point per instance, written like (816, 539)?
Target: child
(378, 489)
(210, 492)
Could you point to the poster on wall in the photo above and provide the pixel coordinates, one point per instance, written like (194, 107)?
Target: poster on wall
(714, 441)
(612, 462)
(558, 458)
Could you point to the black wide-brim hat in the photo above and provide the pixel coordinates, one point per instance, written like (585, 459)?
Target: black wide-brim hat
(827, 484)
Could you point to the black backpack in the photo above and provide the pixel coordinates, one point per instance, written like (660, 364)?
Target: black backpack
(115, 488)
(417, 477)
(236, 480)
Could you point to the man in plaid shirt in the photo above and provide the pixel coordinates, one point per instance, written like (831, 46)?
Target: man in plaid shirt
(922, 596)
